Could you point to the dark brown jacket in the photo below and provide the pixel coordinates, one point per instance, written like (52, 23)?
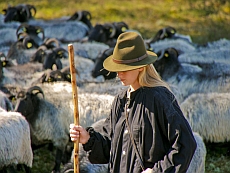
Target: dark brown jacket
(163, 136)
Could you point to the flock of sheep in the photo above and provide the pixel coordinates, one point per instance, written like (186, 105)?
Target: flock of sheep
(36, 91)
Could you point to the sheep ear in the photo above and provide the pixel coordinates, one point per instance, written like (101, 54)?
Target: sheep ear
(4, 11)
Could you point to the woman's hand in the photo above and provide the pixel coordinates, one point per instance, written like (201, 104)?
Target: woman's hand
(148, 170)
(78, 132)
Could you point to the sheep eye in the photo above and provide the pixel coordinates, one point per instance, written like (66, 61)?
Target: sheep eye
(166, 55)
(3, 63)
(50, 79)
(88, 17)
(123, 29)
(29, 45)
(68, 76)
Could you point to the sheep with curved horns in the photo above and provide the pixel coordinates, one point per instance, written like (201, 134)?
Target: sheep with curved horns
(209, 115)
(24, 74)
(84, 67)
(20, 13)
(54, 58)
(47, 46)
(107, 33)
(49, 117)
(83, 16)
(89, 50)
(15, 140)
(50, 76)
(167, 37)
(168, 32)
(190, 78)
(36, 33)
(61, 29)
(98, 67)
(21, 50)
(197, 164)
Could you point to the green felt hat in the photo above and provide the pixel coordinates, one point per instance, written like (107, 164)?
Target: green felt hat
(129, 53)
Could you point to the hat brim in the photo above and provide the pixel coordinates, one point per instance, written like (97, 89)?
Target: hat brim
(111, 66)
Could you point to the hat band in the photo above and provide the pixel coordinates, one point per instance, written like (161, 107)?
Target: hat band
(130, 60)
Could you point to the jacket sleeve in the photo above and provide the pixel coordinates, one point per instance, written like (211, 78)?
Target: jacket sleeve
(180, 137)
(98, 146)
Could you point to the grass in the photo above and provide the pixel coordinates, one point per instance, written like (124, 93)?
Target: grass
(204, 20)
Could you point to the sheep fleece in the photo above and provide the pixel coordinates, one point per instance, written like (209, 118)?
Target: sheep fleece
(15, 145)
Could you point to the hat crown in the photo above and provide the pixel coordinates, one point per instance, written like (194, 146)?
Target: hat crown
(130, 45)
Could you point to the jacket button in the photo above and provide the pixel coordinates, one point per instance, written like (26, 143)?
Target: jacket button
(123, 152)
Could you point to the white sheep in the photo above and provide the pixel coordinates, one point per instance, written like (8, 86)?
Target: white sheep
(209, 115)
(84, 66)
(65, 31)
(15, 140)
(189, 78)
(5, 103)
(49, 117)
(204, 56)
(22, 74)
(180, 44)
(197, 164)
(89, 50)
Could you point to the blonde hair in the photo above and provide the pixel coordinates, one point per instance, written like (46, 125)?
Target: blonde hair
(150, 78)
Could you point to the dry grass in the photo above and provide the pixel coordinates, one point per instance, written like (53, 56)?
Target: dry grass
(204, 21)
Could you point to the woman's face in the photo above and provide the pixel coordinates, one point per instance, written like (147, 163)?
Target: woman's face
(130, 78)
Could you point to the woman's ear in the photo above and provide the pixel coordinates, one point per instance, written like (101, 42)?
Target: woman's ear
(140, 69)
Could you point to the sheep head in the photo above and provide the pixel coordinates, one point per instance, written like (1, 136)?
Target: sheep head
(20, 13)
(53, 58)
(167, 32)
(167, 61)
(27, 102)
(83, 16)
(34, 32)
(98, 67)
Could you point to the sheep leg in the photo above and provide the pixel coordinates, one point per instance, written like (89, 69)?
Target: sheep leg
(26, 168)
(58, 159)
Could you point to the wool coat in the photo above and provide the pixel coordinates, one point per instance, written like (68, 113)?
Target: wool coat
(162, 135)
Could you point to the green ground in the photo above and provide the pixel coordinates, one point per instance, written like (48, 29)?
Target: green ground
(203, 20)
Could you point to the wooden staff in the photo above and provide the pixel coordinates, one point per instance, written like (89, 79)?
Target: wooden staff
(75, 103)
